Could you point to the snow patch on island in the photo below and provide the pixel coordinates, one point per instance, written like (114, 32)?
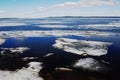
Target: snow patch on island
(30, 73)
(80, 47)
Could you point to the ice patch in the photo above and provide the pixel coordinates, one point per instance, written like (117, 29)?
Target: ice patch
(2, 41)
(30, 73)
(91, 65)
(80, 47)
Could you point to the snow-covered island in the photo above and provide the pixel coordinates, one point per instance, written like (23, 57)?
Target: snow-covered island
(80, 47)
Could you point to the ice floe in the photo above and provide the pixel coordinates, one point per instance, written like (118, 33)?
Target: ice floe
(9, 24)
(30, 73)
(110, 26)
(47, 21)
(49, 54)
(91, 64)
(14, 50)
(2, 41)
(80, 47)
(53, 26)
(63, 68)
(29, 58)
(58, 33)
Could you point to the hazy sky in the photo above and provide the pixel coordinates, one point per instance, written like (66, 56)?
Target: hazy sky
(46, 8)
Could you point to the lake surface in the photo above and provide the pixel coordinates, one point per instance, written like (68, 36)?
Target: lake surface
(41, 45)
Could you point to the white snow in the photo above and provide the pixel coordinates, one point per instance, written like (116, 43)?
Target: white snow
(30, 73)
(93, 48)
(91, 65)
(2, 41)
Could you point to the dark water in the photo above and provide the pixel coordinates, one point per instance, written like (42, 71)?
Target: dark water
(40, 46)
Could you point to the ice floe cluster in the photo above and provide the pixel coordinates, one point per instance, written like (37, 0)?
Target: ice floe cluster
(110, 26)
(80, 47)
(31, 68)
(85, 48)
(56, 25)
(57, 33)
